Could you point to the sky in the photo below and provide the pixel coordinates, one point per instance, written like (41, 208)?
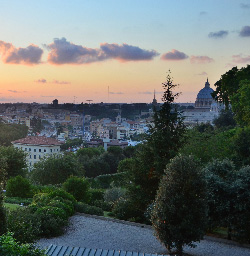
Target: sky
(118, 51)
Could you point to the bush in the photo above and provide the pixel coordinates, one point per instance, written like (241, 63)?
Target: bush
(53, 220)
(19, 187)
(9, 247)
(113, 195)
(123, 209)
(96, 194)
(78, 187)
(61, 193)
(18, 200)
(2, 215)
(88, 209)
(105, 181)
(24, 225)
(103, 205)
(179, 214)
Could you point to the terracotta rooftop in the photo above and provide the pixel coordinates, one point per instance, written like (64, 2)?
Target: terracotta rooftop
(38, 140)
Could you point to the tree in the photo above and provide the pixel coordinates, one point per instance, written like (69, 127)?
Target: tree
(179, 212)
(163, 142)
(78, 187)
(19, 187)
(11, 132)
(233, 88)
(13, 161)
(225, 119)
(56, 169)
(2, 215)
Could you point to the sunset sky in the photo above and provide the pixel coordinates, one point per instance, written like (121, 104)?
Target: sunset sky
(74, 50)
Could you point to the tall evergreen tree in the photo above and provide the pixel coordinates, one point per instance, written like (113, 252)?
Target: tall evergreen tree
(163, 141)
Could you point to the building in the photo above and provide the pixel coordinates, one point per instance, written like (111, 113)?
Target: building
(37, 147)
(205, 109)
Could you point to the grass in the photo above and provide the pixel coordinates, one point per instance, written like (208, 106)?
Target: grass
(11, 206)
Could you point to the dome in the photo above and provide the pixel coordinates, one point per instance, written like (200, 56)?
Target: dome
(205, 93)
(204, 98)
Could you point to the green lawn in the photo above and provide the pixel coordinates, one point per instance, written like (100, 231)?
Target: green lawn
(11, 206)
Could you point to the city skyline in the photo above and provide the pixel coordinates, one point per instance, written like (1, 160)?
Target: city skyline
(118, 51)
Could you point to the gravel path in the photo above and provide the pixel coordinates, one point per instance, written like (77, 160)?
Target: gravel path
(96, 233)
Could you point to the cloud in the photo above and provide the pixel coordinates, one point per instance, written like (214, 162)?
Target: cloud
(28, 56)
(42, 80)
(219, 34)
(200, 59)
(241, 59)
(147, 92)
(14, 91)
(60, 82)
(116, 93)
(43, 96)
(202, 74)
(245, 31)
(64, 52)
(7, 99)
(245, 6)
(127, 52)
(203, 13)
(174, 55)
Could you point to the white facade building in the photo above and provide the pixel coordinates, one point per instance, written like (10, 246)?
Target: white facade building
(37, 147)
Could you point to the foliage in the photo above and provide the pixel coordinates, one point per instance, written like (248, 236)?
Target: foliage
(225, 120)
(208, 144)
(55, 169)
(179, 214)
(125, 165)
(78, 187)
(163, 142)
(63, 194)
(18, 200)
(229, 198)
(88, 209)
(19, 187)
(233, 88)
(71, 143)
(9, 247)
(14, 161)
(12, 132)
(96, 194)
(112, 195)
(241, 146)
(2, 215)
(107, 180)
(24, 224)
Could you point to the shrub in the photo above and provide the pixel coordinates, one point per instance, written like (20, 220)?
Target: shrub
(123, 209)
(114, 194)
(88, 209)
(103, 205)
(2, 215)
(96, 194)
(105, 180)
(19, 187)
(18, 200)
(61, 193)
(24, 225)
(78, 187)
(53, 220)
(179, 214)
(9, 247)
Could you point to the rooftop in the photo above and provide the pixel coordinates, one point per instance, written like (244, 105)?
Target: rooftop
(37, 140)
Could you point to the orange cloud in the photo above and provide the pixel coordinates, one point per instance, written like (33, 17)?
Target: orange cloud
(200, 59)
(28, 56)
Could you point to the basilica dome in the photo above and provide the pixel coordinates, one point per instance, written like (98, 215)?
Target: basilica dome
(204, 98)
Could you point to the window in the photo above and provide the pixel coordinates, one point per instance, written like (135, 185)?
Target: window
(39, 156)
(30, 156)
(51, 150)
(44, 150)
(40, 150)
(34, 156)
(25, 149)
(29, 149)
(34, 149)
